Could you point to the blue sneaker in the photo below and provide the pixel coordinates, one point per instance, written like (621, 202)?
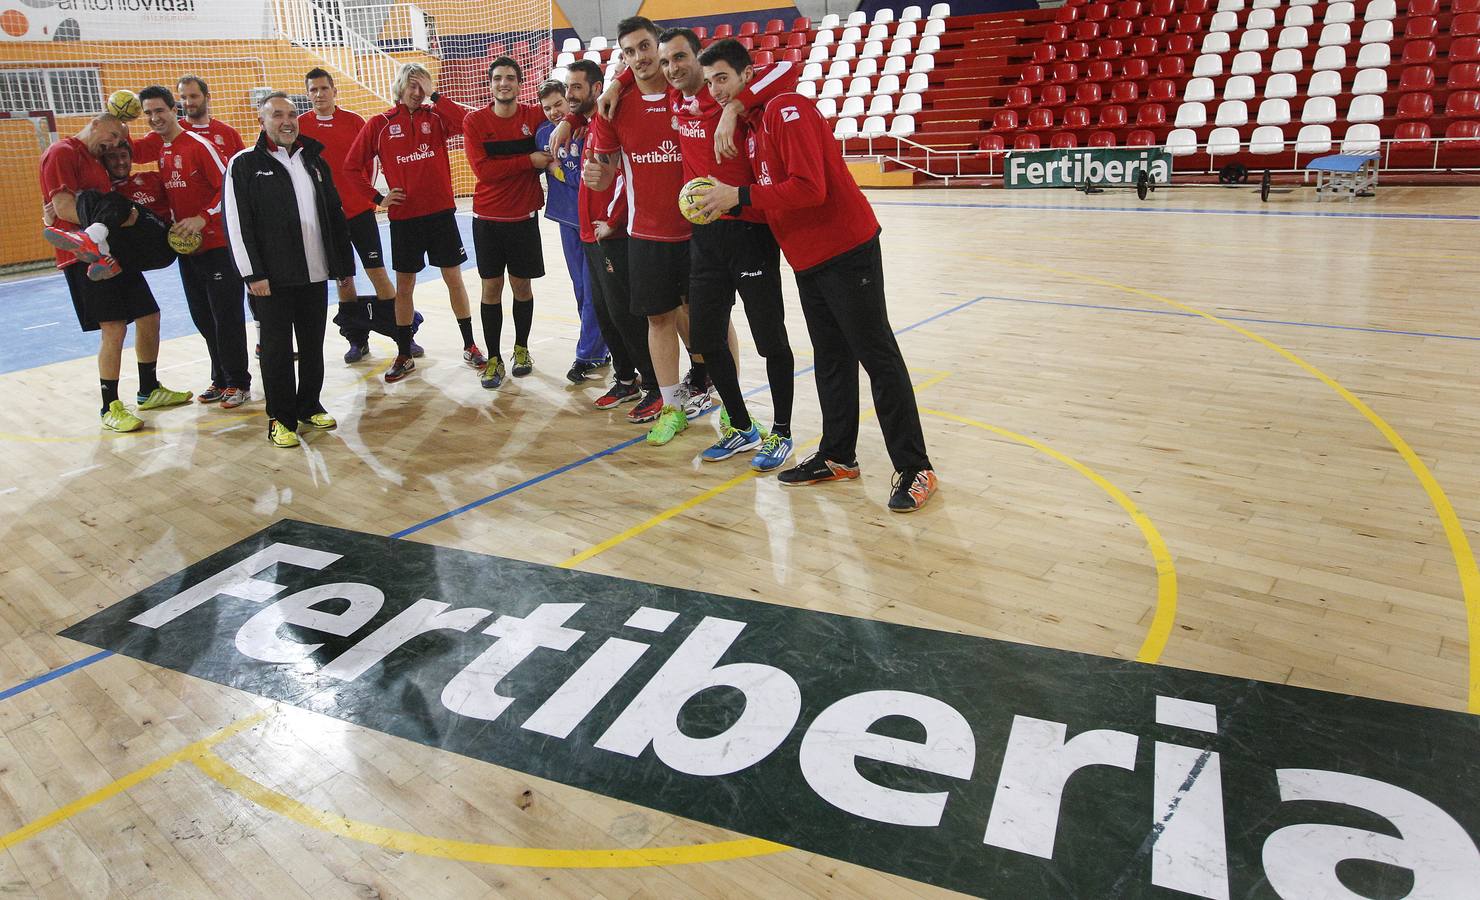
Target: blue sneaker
(774, 451)
(732, 441)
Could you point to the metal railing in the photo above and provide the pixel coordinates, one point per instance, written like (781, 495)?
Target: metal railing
(314, 26)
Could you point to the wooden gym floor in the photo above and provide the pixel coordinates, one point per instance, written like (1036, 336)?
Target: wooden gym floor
(1200, 431)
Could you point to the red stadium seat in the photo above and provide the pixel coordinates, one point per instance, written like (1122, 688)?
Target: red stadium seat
(1180, 44)
(1129, 9)
(1412, 136)
(801, 23)
(1005, 120)
(1189, 24)
(1197, 7)
(1099, 70)
(701, 32)
(1019, 98)
(1039, 120)
(1135, 68)
(724, 30)
(1423, 7)
(1422, 28)
(794, 55)
(1466, 25)
(1026, 141)
(1125, 92)
(1463, 77)
(747, 28)
(1054, 95)
(1422, 52)
(1144, 47)
(1087, 93)
(1141, 138)
(1462, 50)
(1420, 78)
(1064, 140)
(763, 57)
(1076, 117)
(1086, 31)
(1461, 105)
(1066, 15)
(775, 26)
(796, 39)
(1112, 117)
(1097, 12)
(1162, 90)
(1458, 7)
(746, 41)
(1074, 51)
(992, 143)
(1063, 73)
(1109, 49)
(1102, 139)
(1044, 53)
(1416, 106)
(1031, 75)
(1153, 26)
(1053, 34)
(1118, 29)
(767, 42)
(1466, 129)
(1151, 114)
(1163, 7)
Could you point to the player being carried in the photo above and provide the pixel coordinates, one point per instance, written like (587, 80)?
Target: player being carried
(410, 142)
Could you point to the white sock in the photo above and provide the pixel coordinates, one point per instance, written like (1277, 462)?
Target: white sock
(99, 233)
(670, 394)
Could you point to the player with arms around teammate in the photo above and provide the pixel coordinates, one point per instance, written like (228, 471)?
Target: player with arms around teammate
(193, 174)
(829, 234)
(336, 129)
(107, 304)
(410, 142)
(499, 141)
(194, 98)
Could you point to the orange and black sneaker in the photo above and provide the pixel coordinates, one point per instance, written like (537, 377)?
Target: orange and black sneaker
(817, 470)
(399, 369)
(912, 488)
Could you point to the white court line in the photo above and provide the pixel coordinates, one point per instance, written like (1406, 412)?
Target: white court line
(81, 470)
(34, 327)
(9, 490)
(181, 365)
(161, 448)
(230, 428)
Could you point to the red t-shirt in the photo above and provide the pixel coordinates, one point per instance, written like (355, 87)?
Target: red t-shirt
(147, 190)
(803, 186)
(337, 133)
(651, 162)
(193, 173)
(226, 140)
(498, 150)
(412, 149)
(69, 167)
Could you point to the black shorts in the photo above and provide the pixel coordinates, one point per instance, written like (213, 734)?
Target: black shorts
(364, 234)
(659, 275)
(426, 239)
(508, 245)
(122, 298)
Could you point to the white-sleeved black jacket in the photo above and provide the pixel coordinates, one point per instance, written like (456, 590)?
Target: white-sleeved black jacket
(262, 225)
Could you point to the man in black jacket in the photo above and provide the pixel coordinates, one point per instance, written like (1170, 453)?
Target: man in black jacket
(289, 236)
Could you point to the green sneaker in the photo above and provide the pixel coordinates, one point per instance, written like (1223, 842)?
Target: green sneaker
(280, 435)
(162, 396)
(523, 365)
(320, 420)
(670, 423)
(493, 373)
(119, 419)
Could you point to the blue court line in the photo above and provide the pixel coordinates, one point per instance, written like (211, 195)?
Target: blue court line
(1182, 210)
(481, 501)
(1188, 315)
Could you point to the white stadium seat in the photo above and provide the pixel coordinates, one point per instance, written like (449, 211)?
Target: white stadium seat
(1337, 13)
(1338, 35)
(1374, 56)
(881, 105)
(1313, 139)
(1361, 139)
(812, 72)
(1191, 115)
(852, 106)
(917, 83)
(1378, 32)
(1370, 81)
(565, 59)
(571, 45)
(599, 43)
(902, 126)
(824, 38)
(940, 10)
(1261, 19)
(909, 104)
(1324, 84)
(1318, 111)
(901, 47)
(830, 20)
(910, 14)
(1209, 65)
(1330, 58)
(878, 33)
(888, 85)
(857, 18)
(558, 74)
(1294, 36)
(1239, 87)
(1232, 112)
(845, 128)
(828, 108)
(1281, 86)
(883, 15)
(1230, 5)
(1366, 108)
(1266, 4)
(860, 87)
(935, 28)
(1267, 139)
(807, 88)
(1215, 42)
(1299, 16)
(817, 54)
(895, 65)
(1247, 63)
(833, 87)
(1254, 40)
(851, 35)
(873, 127)
(1274, 112)
(593, 56)
(1198, 90)
(906, 30)
(1223, 141)
(1302, 2)
(924, 62)
(1182, 142)
(1224, 21)
(929, 44)
(846, 51)
(1380, 11)
(869, 67)
(1287, 61)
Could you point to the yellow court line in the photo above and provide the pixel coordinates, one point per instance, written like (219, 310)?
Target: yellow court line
(466, 851)
(59, 816)
(1155, 641)
(1454, 532)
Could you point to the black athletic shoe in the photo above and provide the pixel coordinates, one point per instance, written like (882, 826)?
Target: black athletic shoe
(912, 488)
(817, 470)
(356, 352)
(579, 370)
(399, 369)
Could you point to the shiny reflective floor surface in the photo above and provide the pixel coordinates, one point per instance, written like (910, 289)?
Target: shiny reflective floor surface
(1196, 433)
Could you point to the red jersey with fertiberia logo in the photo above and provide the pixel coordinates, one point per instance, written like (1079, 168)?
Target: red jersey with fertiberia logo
(193, 173)
(411, 146)
(652, 163)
